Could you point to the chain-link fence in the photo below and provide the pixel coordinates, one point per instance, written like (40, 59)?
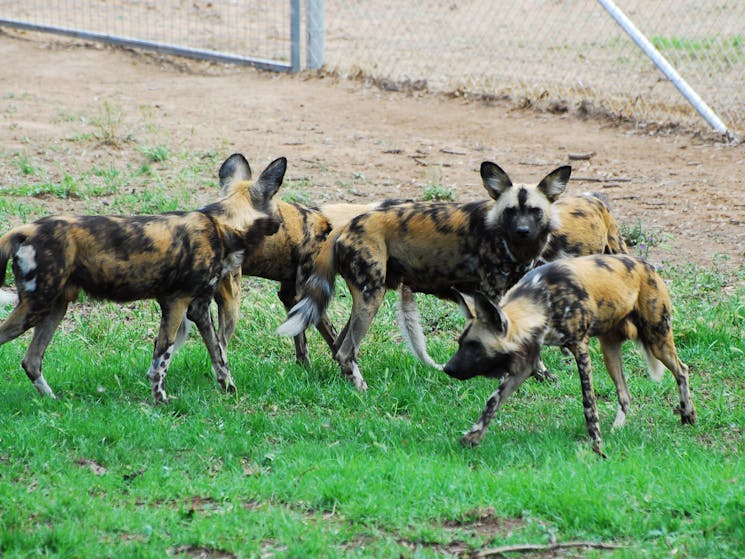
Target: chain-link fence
(561, 54)
(261, 32)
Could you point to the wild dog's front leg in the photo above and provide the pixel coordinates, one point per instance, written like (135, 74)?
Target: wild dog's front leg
(228, 298)
(505, 390)
(199, 313)
(582, 356)
(172, 316)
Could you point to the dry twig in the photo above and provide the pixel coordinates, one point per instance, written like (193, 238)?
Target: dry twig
(527, 547)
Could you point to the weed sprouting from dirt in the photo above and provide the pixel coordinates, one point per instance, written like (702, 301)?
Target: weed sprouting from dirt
(108, 124)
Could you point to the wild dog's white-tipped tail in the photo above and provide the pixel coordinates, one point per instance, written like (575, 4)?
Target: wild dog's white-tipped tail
(302, 315)
(410, 323)
(654, 366)
(310, 308)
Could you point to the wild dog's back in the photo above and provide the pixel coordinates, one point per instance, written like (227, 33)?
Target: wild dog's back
(425, 245)
(598, 295)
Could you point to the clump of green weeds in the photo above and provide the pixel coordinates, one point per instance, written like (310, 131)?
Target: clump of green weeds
(438, 192)
(155, 154)
(640, 237)
(108, 124)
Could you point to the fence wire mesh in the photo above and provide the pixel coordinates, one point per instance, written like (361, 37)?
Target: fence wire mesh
(563, 54)
(258, 29)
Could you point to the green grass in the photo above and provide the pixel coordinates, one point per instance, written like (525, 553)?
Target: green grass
(724, 49)
(298, 464)
(437, 192)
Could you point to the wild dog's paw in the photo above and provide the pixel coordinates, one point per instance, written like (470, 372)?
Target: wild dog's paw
(689, 417)
(472, 438)
(544, 375)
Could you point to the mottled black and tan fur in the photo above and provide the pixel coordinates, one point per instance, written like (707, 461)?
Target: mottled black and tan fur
(565, 303)
(176, 258)
(584, 226)
(286, 257)
(430, 247)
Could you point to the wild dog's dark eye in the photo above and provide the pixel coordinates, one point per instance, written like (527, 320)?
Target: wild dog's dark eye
(473, 347)
(536, 212)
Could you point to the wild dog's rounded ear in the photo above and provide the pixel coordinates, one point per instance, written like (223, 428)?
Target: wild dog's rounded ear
(489, 312)
(268, 183)
(495, 180)
(465, 303)
(554, 184)
(235, 168)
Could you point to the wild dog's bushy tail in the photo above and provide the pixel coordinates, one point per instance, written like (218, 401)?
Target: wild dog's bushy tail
(318, 291)
(9, 242)
(654, 366)
(410, 323)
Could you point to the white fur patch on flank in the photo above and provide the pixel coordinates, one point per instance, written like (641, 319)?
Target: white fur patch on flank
(654, 366)
(30, 285)
(26, 258)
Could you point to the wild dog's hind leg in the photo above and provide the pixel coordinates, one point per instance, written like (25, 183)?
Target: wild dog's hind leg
(364, 308)
(43, 333)
(582, 357)
(199, 313)
(612, 357)
(327, 330)
(172, 316)
(288, 295)
(497, 398)
(665, 351)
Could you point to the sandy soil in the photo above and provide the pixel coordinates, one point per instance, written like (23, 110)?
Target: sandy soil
(355, 142)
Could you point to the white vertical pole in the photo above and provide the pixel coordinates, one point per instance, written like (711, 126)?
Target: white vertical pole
(666, 68)
(314, 16)
(294, 35)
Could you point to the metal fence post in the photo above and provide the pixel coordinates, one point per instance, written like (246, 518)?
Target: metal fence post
(314, 24)
(666, 68)
(294, 35)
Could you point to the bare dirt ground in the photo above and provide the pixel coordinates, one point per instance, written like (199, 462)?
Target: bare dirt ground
(355, 142)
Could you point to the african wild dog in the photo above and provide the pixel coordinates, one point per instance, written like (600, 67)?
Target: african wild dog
(286, 257)
(585, 226)
(429, 246)
(176, 258)
(565, 303)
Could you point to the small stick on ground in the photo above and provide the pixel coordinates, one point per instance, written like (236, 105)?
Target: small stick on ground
(528, 547)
